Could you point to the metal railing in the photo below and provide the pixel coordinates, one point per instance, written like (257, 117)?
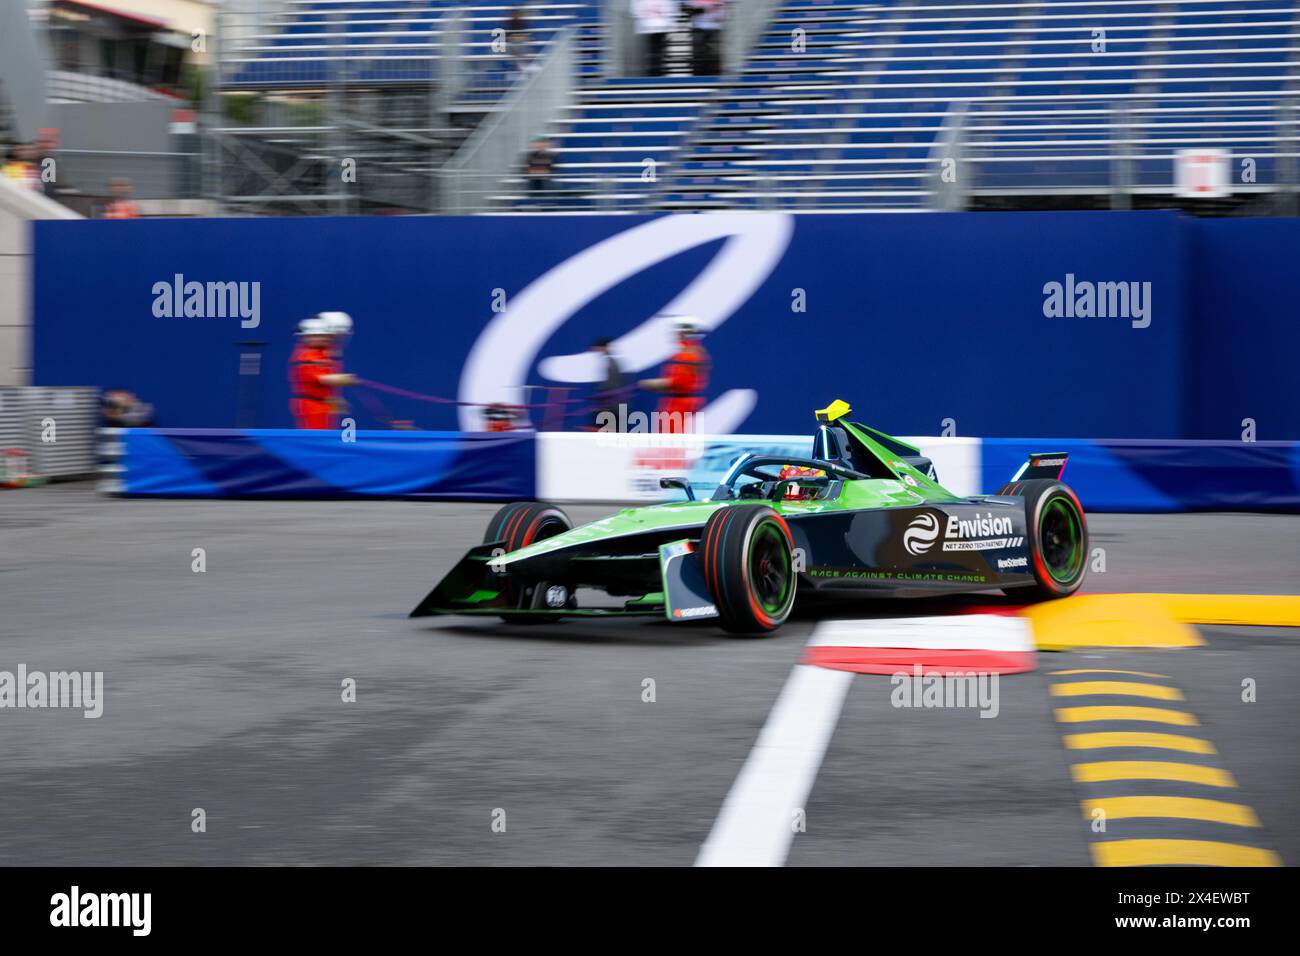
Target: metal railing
(496, 148)
(619, 38)
(746, 21)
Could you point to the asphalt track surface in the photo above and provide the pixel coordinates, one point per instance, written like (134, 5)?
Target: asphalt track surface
(223, 692)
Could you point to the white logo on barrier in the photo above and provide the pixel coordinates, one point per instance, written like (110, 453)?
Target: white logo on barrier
(921, 534)
(505, 352)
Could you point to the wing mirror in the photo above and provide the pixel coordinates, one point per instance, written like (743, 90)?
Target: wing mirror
(678, 482)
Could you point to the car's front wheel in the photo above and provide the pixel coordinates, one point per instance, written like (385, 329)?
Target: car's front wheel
(516, 526)
(746, 554)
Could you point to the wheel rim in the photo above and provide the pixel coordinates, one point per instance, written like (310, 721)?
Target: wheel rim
(769, 569)
(1060, 539)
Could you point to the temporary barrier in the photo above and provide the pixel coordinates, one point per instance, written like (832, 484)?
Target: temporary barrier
(1113, 475)
(275, 463)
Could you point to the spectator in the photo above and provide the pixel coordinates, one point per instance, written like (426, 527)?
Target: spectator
(121, 409)
(20, 170)
(655, 19)
(518, 45)
(707, 17)
(122, 206)
(610, 393)
(540, 168)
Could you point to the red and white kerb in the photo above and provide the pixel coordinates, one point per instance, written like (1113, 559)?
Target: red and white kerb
(984, 643)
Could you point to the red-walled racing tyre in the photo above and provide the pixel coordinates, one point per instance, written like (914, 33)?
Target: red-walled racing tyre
(517, 526)
(746, 554)
(1058, 537)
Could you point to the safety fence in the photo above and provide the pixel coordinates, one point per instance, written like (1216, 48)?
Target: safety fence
(613, 467)
(47, 433)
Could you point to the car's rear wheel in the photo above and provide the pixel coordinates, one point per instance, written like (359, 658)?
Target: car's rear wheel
(746, 554)
(516, 526)
(1058, 537)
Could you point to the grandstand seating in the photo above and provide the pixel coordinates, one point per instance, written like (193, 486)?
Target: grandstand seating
(392, 42)
(1043, 97)
(850, 104)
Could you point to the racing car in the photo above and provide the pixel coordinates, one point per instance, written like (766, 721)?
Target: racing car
(864, 513)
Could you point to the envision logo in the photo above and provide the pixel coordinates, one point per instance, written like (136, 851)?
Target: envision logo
(1102, 300)
(921, 534)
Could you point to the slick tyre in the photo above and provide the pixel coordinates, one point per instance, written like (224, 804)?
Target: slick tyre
(517, 526)
(746, 554)
(1058, 537)
(525, 522)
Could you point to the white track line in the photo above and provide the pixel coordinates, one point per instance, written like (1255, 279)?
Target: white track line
(756, 824)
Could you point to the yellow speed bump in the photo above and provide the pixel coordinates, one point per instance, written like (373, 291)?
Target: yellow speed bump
(1278, 610)
(1107, 770)
(1116, 688)
(1154, 715)
(1108, 620)
(1180, 853)
(1173, 808)
(1087, 670)
(1103, 740)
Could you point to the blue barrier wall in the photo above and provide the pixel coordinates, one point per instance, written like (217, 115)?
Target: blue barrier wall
(1244, 327)
(1160, 476)
(273, 463)
(914, 318)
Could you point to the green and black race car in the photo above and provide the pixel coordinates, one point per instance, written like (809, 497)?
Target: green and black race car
(863, 513)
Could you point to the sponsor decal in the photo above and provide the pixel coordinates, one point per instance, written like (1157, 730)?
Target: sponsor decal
(921, 534)
(1005, 564)
(860, 574)
(684, 613)
(911, 481)
(960, 534)
(970, 534)
(1047, 462)
(678, 549)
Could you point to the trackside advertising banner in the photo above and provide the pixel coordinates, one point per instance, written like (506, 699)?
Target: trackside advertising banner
(981, 324)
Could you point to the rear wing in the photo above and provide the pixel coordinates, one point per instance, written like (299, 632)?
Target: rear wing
(1046, 465)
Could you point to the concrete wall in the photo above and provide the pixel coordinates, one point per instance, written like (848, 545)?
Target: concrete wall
(17, 208)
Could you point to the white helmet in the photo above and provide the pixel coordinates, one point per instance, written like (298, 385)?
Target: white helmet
(336, 323)
(312, 326)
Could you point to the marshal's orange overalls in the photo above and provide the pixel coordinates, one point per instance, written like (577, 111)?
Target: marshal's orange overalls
(311, 401)
(688, 376)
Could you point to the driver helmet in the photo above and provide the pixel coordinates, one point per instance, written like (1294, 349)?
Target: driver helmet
(795, 491)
